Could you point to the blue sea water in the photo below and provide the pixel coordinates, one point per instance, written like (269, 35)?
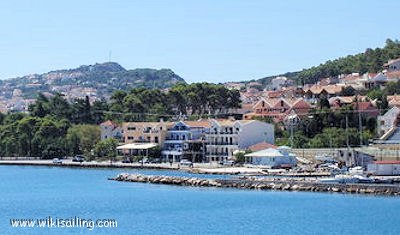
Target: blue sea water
(39, 192)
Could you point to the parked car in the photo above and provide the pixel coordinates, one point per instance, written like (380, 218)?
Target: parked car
(78, 158)
(228, 163)
(57, 161)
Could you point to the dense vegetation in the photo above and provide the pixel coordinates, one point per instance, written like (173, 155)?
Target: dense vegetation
(324, 128)
(371, 60)
(56, 128)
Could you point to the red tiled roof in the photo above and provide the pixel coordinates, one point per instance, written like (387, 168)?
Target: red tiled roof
(261, 146)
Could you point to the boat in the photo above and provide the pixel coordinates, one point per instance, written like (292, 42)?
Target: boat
(343, 179)
(358, 170)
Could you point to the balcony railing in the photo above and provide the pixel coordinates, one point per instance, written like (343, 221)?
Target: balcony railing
(222, 143)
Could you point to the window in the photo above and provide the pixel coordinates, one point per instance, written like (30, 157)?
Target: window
(156, 139)
(130, 137)
(131, 128)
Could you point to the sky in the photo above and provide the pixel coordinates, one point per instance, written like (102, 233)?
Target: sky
(208, 40)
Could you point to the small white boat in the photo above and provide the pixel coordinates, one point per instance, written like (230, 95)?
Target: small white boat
(347, 179)
(358, 170)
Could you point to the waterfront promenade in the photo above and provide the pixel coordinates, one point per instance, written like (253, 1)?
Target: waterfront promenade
(199, 168)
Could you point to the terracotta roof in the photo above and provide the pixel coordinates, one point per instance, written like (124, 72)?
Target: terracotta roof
(393, 74)
(331, 89)
(205, 124)
(363, 105)
(261, 146)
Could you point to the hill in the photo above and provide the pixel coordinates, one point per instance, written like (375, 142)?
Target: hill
(102, 78)
(371, 60)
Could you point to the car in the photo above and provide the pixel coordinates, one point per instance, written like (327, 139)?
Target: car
(185, 162)
(57, 161)
(78, 158)
(228, 163)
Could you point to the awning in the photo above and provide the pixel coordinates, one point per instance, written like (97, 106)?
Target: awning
(137, 146)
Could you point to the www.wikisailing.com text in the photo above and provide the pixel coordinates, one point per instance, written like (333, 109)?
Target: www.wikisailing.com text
(72, 222)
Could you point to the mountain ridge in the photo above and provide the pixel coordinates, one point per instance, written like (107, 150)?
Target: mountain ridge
(104, 77)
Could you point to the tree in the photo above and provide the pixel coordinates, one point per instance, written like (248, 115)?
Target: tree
(106, 148)
(83, 138)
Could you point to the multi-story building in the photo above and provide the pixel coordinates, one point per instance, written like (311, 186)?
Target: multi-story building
(279, 108)
(226, 137)
(145, 132)
(185, 140)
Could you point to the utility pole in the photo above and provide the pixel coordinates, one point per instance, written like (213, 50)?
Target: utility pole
(291, 132)
(347, 133)
(360, 128)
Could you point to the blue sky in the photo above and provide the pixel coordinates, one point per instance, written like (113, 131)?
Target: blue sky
(208, 40)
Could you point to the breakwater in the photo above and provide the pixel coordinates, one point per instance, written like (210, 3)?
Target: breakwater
(263, 184)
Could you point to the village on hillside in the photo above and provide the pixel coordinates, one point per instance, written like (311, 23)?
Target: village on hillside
(252, 140)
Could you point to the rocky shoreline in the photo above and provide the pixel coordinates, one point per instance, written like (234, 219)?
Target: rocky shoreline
(263, 184)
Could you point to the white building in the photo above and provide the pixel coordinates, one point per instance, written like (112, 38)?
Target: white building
(227, 136)
(384, 168)
(392, 65)
(272, 158)
(277, 83)
(388, 121)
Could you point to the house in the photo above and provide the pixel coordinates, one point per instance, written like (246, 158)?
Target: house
(384, 168)
(379, 80)
(272, 158)
(278, 83)
(185, 140)
(317, 91)
(392, 65)
(388, 121)
(366, 108)
(145, 132)
(227, 136)
(110, 129)
(279, 108)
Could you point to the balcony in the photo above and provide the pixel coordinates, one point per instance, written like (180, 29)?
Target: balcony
(222, 133)
(221, 143)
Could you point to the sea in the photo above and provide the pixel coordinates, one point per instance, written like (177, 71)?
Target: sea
(57, 200)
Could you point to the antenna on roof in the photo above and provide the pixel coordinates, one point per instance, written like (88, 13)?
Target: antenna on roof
(109, 56)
